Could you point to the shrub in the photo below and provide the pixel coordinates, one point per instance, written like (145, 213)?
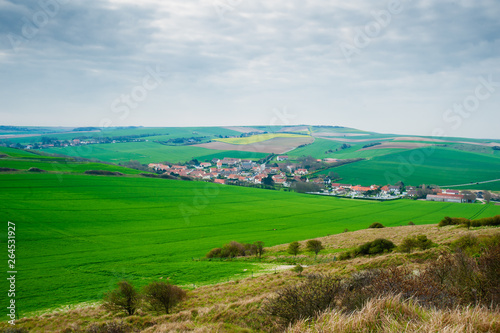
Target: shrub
(420, 241)
(7, 169)
(376, 225)
(103, 173)
(298, 269)
(294, 248)
(379, 245)
(162, 296)
(314, 245)
(304, 300)
(232, 249)
(35, 170)
(214, 253)
(125, 298)
(411, 223)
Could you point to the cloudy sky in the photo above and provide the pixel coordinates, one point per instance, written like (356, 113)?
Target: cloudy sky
(396, 66)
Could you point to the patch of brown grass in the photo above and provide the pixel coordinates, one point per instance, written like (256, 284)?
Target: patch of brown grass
(392, 315)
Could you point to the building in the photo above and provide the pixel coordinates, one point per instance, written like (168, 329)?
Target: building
(282, 158)
(302, 171)
(446, 198)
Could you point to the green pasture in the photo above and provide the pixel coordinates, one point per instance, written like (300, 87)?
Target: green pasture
(432, 165)
(148, 152)
(79, 235)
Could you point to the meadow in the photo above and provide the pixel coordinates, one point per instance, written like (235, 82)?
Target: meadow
(258, 138)
(440, 166)
(78, 235)
(148, 152)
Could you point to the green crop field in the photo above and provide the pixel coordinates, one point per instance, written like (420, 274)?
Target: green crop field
(148, 152)
(77, 236)
(439, 166)
(258, 138)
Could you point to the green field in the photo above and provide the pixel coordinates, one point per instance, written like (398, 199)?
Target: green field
(439, 166)
(147, 152)
(258, 138)
(79, 235)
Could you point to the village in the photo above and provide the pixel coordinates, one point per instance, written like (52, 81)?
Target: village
(234, 171)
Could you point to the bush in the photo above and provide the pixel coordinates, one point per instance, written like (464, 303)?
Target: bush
(162, 296)
(410, 243)
(304, 300)
(125, 298)
(7, 169)
(214, 253)
(379, 245)
(376, 225)
(103, 173)
(35, 170)
(109, 327)
(411, 223)
(294, 248)
(314, 245)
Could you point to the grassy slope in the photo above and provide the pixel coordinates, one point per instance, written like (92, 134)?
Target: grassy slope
(440, 166)
(148, 152)
(102, 229)
(234, 306)
(258, 138)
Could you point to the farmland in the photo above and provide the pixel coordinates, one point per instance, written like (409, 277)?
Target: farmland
(79, 235)
(258, 138)
(441, 166)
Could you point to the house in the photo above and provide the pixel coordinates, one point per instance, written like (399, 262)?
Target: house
(220, 181)
(451, 192)
(205, 164)
(230, 161)
(282, 158)
(247, 165)
(445, 198)
(411, 193)
(302, 171)
(411, 188)
(346, 186)
(395, 188)
(360, 189)
(215, 160)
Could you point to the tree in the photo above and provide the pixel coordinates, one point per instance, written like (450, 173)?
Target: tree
(487, 196)
(298, 269)
(260, 248)
(294, 248)
(124, 298)
(469, 196)
(162, 296)
(376, 225)
(314, 245)
(268, 180)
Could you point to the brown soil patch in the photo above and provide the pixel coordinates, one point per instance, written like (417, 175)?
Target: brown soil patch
(275, 145)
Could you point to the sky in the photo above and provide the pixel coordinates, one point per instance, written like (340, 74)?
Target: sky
(397, 66)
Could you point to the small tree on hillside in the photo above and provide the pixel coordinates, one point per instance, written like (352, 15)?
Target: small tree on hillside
(260, 248)
(487, 196)
(314, 245)
(294, 248)
(162, 296)
(124, 298)
(376, 225)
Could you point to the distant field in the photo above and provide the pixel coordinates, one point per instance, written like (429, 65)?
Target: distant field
(439, 166)
(277, 145)
(77, 237)
(257, 138)
(148, 152)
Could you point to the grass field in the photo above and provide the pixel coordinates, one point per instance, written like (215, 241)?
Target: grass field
(258, 138)
(147, 152)
(439, 166)
(77, 237)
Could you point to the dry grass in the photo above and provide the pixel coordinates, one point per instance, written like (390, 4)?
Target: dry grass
(348, 240)
(392, 315)
(235, 306)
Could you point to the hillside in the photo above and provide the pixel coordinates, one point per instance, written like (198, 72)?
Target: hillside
(236, 305)
(77, 228)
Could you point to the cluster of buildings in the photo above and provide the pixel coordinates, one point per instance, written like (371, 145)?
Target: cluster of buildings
(229, 170)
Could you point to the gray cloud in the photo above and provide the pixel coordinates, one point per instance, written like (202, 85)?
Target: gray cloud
(236, 67)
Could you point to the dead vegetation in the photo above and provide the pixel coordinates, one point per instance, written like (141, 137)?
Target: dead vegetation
(237, 305)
